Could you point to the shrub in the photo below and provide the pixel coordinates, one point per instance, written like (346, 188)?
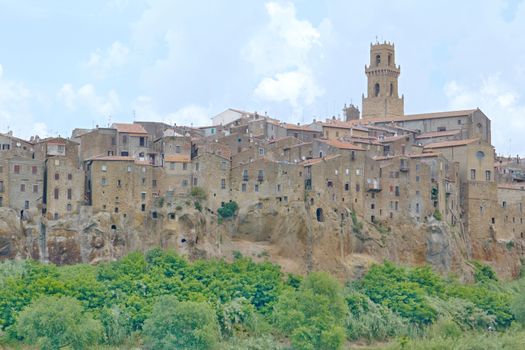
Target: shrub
(371, 321)
(437, 215)
(57, 322)
(483, 273)
(313, 315)
(228, 210)
(116, 325)
(266, 342)
(181, 325)
(198, 205)
(237, 317)
(199, 193)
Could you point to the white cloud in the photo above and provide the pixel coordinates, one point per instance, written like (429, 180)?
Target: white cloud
(188, 115)
(15, 100)
(501, 103)
(284, 53)
(101, 62)
(86, 96)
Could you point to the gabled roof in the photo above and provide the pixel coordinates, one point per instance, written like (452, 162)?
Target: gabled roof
(445, 144)
(429, 135)
(129, 128)
(178, 158)
(342, 145)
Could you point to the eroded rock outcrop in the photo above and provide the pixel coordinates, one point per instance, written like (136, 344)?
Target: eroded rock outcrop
(288, 235)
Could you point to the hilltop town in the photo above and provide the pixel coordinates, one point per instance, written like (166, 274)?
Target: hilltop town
(334, 194)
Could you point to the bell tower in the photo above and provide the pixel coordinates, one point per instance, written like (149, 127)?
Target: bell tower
(382, 98)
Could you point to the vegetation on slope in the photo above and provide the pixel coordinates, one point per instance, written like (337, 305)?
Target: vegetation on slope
(159, 300)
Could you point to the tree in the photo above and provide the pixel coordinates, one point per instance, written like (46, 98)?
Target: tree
(228, 210)
(55, 322)
(313, 315)
(181, 325)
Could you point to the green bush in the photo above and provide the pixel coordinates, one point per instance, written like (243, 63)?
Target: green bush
(437, 215)
(401, 291)
(181, 325)
(314, 314)
(55, 322)
(483, 273)
(198, 205)
(371, 321)
(228, 210)
(199, 193)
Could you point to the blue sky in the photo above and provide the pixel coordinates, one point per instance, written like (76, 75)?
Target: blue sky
(78, 64)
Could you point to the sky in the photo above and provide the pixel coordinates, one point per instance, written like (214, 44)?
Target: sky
(85, 63)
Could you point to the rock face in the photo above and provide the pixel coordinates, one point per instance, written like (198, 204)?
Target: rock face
(289, 235)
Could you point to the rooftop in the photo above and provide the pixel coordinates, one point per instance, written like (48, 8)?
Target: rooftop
(129, 128)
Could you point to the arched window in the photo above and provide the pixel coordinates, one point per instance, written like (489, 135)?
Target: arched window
(319, 214)
(378, 60)
(389, 59)
(376, 89)
(391, 89)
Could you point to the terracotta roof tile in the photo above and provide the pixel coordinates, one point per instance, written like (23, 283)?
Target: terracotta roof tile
(129, 128)
(343, 145)
(454, 143)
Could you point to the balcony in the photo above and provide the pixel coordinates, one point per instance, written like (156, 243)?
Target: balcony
(373, 185)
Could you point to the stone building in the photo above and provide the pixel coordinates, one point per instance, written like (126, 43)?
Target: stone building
(64, 177)
(382, 99)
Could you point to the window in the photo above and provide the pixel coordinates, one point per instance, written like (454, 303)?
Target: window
(34, 170)
(26, 205)
(357, 187)
(243, 188)
(142, 141)
(223, 184)
(56, 193)
(197, 166)
(1, 201)
(113, 140)
(473, 174)
(378, 60)
(224, 165)
(391, 89)
(143, 207)
(260, 175)
(1, 169)
(417, 207)
(184, 183)
(397, 191)
(330, 184)
(487, 175)
(459, 121)
(172, 166)
(417, 178)
(256, 188)
(1, 186)
(104, 168)
(376, 90)
(70, 176)
(278, 187)
(143, 196)
(347, 186)
(184, 166)
(124, 153)
(69, 193)
(57, 176)
(124, 139)
(103, 181)
(35, 188)
(441, 128)
(68, 207)
(177, 149)
(261, 151)
(319, 214)
(16, 169)
(194, 181)
(22, 188)
(389, 59)
(119, 183)
(504, 204)
(245, 175)
(129, 168)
